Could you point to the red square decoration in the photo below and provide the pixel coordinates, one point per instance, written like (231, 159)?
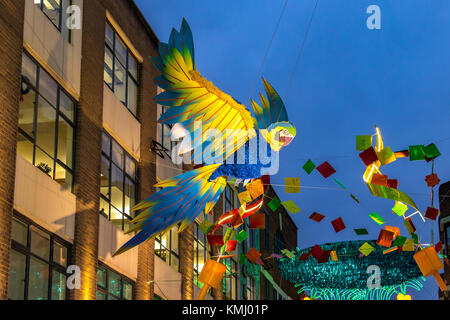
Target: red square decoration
(326, 169)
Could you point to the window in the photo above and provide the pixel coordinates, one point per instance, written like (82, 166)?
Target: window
(447, 240)
(166, 142)
(38, 264)
(200, 253)
(121, 71)
(118, 183)
(229, 202)
(278, 244)
(46, 124)
(166, 247)
(113, 286)
(251, 289)
(56, 12)
(267, 289)
(230, 280)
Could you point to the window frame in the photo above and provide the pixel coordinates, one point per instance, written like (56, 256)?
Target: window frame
(230, 277)
(207, 253)
(52, 265)
(126, 176)
(59, 113)
(105, 290)
(137, 79)
(63, 6)
(158, 241)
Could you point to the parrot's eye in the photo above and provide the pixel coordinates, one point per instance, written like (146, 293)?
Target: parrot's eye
(285, 132)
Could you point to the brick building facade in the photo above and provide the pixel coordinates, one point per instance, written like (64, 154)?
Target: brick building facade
(80, 145)
(444, 232)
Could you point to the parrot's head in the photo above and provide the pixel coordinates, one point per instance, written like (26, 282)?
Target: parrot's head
(279, 134)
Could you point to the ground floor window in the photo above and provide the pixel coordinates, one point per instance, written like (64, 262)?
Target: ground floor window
(38, 263)
(112, 285)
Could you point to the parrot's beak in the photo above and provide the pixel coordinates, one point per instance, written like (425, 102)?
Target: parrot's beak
(286, 140)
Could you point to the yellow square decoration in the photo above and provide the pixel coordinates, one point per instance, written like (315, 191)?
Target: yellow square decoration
(408, 245)
(366, 249)
(386, 156)
(244, 197)
(255, 188)
(292, 185)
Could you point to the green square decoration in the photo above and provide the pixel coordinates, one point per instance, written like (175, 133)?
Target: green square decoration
(309, 166)
(274, 204)
(363, 142)
(416, 153)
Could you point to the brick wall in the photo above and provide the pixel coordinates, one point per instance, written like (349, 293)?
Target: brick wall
(444, 208)
(125, 14)
(87, 151)
(11, 35)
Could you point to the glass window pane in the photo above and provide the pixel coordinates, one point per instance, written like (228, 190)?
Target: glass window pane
(132, 95)
(52, 8)
(66, 105)
(174, 240)
(108, 72)
(29, 69)
(16, 289)
(26, 112)
(109, 36)
(120, 80)
(127, 290)
(46, 127)
(132, 66)
(101, 296)
(101, 277)
(60, 254)
(117, 187)
(65, 142)
(44, 162)
(58, 286)
(130, 196)
(25, 148)
(104, 207)
(116, 217)
(174, 262)
(130, 167)
(114, 283)
(20, 232)
(38, 280)
(63, 177)
(121, 51)
(117, 154)
(48, 87)
(104, 177)
(106, 144)
(40, 243)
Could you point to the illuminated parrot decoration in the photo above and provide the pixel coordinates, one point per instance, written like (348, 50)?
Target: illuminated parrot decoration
(216, 129)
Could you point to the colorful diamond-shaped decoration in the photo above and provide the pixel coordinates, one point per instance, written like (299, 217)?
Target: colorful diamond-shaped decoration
(369, 156)
(316, 251)
(376, 217)
(366, 249)
(317, 217)
(386, 156)
(291, 207)
(363, 142)
(274, 204)
(432, 180)
(205, 226)
(241, 236)
(309, 166)
(338, 224)
(416, 153)
(385, 238)
(292, 185)
(361, 232)
(431, 151)
(399, 208)
(431, 213)
(399, 241)
(326, 169)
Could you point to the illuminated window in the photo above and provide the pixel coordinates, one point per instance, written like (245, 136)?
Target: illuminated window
(46, 124)
(56, 12)
(38, 263)
(118, 183)
(201, 253)
(121, 70)
(230, 279)
(251, 288)
(166, 247)
(112, 285)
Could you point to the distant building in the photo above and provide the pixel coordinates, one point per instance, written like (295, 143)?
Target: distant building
(444, 231)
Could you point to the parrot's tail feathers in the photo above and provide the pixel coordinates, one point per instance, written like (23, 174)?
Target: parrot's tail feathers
(181, 199)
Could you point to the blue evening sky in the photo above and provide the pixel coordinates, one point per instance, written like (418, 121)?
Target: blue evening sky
(348, 80)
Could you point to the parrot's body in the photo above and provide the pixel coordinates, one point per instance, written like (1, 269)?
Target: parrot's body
(232, 143)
